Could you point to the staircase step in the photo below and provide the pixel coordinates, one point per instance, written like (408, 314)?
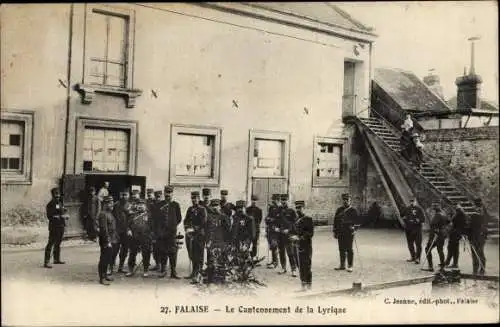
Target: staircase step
(443, 183)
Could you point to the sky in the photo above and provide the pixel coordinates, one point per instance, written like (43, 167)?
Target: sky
(418, 36)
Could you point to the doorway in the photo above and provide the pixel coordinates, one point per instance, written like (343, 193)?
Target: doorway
(349, 97)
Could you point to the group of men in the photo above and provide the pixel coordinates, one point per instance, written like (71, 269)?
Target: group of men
(461, 226)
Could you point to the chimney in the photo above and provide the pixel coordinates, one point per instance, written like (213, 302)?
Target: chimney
(433, 82)
(468, 86)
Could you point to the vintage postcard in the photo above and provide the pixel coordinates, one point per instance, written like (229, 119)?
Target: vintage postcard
(249, 163)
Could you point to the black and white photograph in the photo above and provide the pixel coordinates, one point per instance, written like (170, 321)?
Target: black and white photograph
(249, 163)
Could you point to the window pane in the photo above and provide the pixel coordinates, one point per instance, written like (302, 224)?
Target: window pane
(96, 72)
(268, 158)
(115, 75)
(97, 35)
(108, 149)
(15, 139)
(12, 145)
(5, 163)
(14, 163)
(194, 155)
(328, 160)
(117, 39)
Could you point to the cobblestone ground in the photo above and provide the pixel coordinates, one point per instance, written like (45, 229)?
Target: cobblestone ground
(25, 284)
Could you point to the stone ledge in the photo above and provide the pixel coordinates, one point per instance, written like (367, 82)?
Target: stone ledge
(88, 93)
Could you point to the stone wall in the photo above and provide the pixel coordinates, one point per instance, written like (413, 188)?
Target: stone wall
(473, 153)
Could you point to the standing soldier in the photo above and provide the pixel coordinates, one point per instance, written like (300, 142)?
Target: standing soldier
(303, 238)
(413, 218)
(152, 208)
(243, 229)
(195, 224)
(256, 213)
(286, 223)
(92, 209)
(477, 237)
(272, 230)
(56, 213)
(206, 193)
(121, 212)
(149, 196)
(218, 237)
(166, 218)
(139, 231)
(103, 192)
(107, 238)
(437, 236)
(343, 230)
(457, 230)
(227, 207)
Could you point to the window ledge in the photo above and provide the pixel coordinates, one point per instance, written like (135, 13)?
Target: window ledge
(16, 181)
(88, 92)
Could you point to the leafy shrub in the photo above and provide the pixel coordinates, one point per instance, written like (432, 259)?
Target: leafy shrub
(22, 216)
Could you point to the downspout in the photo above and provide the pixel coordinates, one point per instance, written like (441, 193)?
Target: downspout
(68, 90)
(370, 76)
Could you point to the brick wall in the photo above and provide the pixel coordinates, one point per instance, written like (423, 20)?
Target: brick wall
(473, 153)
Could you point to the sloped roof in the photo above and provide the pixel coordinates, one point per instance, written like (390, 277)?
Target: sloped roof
(320, 12)
(409, 91)
(485, 104)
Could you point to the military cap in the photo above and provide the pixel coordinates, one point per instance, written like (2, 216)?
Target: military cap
(284, 197)
(195, 194)
(55, 190)
(478, 202)
(136, 192)
(214, 202)
(346, 196)
(205, 191)
(240, 203)
(168, 189)
(224, 192)
(275, 196)
(254, 197)
(149, 190)
(300, 203)
(108, 199)
(415, 135)
(158, 193)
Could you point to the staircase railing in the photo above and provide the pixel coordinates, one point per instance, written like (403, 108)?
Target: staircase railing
(436, 162)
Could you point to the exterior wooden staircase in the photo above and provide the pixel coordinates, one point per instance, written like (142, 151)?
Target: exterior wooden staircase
(450, 190)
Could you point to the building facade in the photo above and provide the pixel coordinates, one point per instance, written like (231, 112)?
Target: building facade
(245, 97)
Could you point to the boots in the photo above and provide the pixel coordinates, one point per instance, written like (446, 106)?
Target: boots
(163, 272)
(120, 268)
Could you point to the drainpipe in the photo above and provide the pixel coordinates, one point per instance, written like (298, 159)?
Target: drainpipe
(370, 76)
(68, 94)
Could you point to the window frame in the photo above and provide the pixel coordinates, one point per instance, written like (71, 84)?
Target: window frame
(272, 136)
(130, 126)
(216, 132)
(330, 181)
(26, 174)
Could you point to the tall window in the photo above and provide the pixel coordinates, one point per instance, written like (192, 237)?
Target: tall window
(328, 161)
(105, 150)
(267, 158)
(16, 131)
(107, 48)
(195, 155)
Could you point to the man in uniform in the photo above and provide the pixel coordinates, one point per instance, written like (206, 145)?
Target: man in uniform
(477, 237)
(195, 225)
(139, 231)
(107, 238)
(256, 213)
(286, 224)
(456, 232)
(243, 229)
(218, 237)
(304, 231)
(56, 213)
(343, 229)
(414, 217)
(227, 207)
(206, 193)
(437, 236)
(103, 192)
(121, 212)
(167, 215)
(92, 208)
(152, 208)
(272, 230)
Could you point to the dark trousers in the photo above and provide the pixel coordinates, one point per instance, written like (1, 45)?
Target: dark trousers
(453, 248)
(478, 257)
(305, 256)
(167, 251)
(54, 243)
(255, 245)
(137, 245)
(156, 253)
(197, 255)
(189, 246)
(285, 246)
(122, 247)
(105, 260)
(272, 241)
(414, 240)
(345, 248)
(435, 241)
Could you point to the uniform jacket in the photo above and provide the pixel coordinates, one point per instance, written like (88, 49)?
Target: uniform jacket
(92, 207)
(344, 220)
(107, 228)
(272, 218)
(243, 227)
(414, 217)
(305, 231)
(139, 223)
(55, 210)
(166, 217)
(121, 212)
(218, 228)
(439, 223)
(478, 222)
(459, 223)
(256, 213)
(287, 219)
(196, 218)
(227, 208)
